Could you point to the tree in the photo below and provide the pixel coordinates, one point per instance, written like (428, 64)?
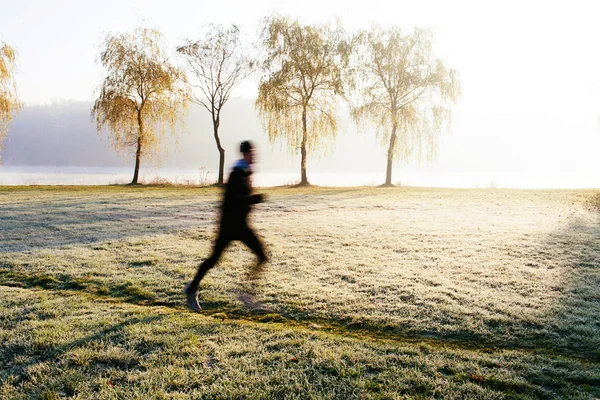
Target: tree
(297, 96)
(9, 103)
(217, 64)
(142, 96)
(401, 90)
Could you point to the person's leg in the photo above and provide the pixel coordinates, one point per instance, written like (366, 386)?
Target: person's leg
(220, 245)
(249, 238)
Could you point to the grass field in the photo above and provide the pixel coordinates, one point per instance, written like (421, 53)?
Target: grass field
(372, 293)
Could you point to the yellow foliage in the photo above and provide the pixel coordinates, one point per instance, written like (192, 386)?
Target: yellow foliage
(142, 97)
(401, 90)
(297, 96)
(9, 103)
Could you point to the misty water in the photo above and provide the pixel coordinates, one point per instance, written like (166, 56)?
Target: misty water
(427, 177)
(10, 175)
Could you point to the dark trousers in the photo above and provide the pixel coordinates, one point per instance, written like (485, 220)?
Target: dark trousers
(226, 235)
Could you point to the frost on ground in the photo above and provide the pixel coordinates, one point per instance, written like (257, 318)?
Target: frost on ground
(480, 269)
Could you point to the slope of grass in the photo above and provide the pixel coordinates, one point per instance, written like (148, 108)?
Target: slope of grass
(374, 293)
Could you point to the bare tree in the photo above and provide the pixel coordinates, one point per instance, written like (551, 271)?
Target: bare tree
(302, 76)
(9, 102)
(401, 90)
(217, 63)
(142, 96)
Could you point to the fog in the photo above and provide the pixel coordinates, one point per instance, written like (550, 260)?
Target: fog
(58, 144)
(48, 143)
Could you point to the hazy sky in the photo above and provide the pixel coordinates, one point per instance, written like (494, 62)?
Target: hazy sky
(530, 70)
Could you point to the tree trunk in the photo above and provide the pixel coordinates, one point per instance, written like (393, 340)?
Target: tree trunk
(221, 150)
(390, 157)
(138, 153)
(304, 178)
(221, 166)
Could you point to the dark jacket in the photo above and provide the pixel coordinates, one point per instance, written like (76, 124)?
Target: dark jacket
(238, 198)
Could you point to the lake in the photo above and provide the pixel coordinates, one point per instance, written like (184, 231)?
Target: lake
(72, 175)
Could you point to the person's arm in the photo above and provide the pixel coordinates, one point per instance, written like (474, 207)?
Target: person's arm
(254, 198)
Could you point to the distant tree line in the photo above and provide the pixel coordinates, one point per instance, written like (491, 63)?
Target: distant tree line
(390, 78)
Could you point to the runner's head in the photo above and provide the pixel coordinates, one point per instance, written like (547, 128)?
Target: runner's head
(247, 149)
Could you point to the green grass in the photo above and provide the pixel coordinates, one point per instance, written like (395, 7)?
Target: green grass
(373, 293)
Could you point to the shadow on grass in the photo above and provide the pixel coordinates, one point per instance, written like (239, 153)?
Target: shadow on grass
(44, 352)
(532, 338)
(572, 330)
(575, 319)
(71, 218)
(80, 216)
(128, 292)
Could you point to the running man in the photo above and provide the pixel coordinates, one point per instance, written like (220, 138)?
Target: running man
(234, 222)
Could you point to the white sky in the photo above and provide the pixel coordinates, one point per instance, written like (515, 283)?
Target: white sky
(530, 70)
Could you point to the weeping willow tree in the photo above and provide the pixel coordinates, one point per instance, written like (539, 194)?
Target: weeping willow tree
(402, 91)
(142, 97)
(302, 76)
(9, 103)
(217, 64)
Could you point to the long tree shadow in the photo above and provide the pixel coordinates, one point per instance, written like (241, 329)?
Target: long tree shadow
(568, 325)
(573, 322)
(51, 218)
(573, 329)
(74, 219)
(114, 334)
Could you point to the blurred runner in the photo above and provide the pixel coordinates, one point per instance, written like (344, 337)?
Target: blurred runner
(234, 226)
